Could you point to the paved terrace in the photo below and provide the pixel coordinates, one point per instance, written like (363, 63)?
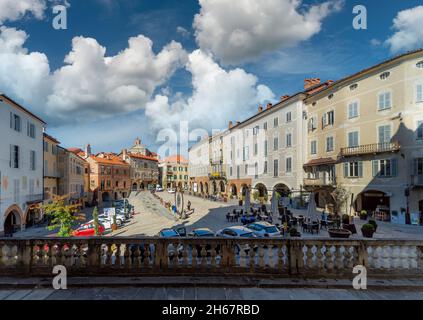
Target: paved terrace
(153, 217)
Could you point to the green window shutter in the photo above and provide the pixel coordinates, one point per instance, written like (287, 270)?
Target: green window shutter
(360, 169)
(394, 167)
(346, 170)
(375, 167)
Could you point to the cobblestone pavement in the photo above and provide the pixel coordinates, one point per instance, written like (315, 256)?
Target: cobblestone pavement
(204, 293)
(152, 217)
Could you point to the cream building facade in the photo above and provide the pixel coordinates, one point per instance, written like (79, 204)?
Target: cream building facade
(21, 166)
(365, 133)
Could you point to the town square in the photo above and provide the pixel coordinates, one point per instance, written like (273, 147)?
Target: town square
(250, 150)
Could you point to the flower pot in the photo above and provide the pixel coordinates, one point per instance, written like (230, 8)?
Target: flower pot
(339, 233)
(367, 233)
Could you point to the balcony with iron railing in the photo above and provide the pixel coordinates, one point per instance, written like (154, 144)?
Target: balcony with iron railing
(367, 149)
(319, 182)
(55, 174)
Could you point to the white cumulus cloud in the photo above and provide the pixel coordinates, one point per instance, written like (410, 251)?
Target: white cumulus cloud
(242, 30)
(218, 96)
(92, 83)
(408, 26)
(24, 75)
(12, 10)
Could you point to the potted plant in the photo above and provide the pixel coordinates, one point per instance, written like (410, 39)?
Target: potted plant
(345, 219)
(363, 215)
(374, 224)
(368, 230)
(339, 233)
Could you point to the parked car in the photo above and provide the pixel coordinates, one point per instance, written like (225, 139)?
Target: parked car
(171, 190)
(159, 189)
(264, 229)
(107, 224)
(235, 232)
(120, 219)
(88, 230)
(202, 233)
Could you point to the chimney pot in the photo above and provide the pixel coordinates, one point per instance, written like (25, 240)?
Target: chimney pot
(308, 83)
(269, 105)
(283, 98)
(230, 125)
(260, 108)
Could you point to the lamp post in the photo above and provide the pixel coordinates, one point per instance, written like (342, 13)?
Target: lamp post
(407, 212)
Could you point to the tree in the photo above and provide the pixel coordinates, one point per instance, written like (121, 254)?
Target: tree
(62, 216)
(96, 223)
(340, 196)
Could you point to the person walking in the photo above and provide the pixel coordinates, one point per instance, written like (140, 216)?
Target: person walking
(189, 205)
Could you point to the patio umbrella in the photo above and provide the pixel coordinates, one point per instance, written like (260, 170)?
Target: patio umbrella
(247, 200)
(312, 209)
(274, 204)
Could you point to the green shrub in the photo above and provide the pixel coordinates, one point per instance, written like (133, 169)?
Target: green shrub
(368, 227)
(373, 223)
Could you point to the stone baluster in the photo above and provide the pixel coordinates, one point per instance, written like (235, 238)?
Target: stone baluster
(320, 258)
(242, 258)
(329, 259)
(348, 264)
(185, 259)
(271, 256)
(376, 264)
(386, 256)
(252, 256)
(137, 256)
(280, 254)
(413, 256)
(309, 257)
(405, 261)
(261, 255)
(194, 256)
(396, 257)
(213, 255)
(338, 258)
(146, 255)
(118, 254)
(127, 257)
(203, 256)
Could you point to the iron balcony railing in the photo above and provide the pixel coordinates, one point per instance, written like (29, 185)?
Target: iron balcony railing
(315, 182)
(217, 175)
(370, 149)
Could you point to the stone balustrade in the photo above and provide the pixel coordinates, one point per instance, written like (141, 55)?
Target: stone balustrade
(201, 256)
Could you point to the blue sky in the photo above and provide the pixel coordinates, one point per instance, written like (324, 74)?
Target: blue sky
(174, 83)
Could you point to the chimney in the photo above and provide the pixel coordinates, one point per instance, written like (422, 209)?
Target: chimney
(124, 154)
(238, 123)
(330, 82)
(308, 83)
(230, 125)
(285, 97)
(260, 108)
(269, 105)
(88, 151)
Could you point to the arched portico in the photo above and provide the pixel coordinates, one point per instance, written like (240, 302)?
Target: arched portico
(13, 220)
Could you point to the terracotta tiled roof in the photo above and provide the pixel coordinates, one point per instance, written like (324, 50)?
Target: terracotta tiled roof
(175, 159)
(141, 156)
(111, 159)
(75, 150)
(320, 161)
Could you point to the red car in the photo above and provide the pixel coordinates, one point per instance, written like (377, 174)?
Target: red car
(87, 230)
